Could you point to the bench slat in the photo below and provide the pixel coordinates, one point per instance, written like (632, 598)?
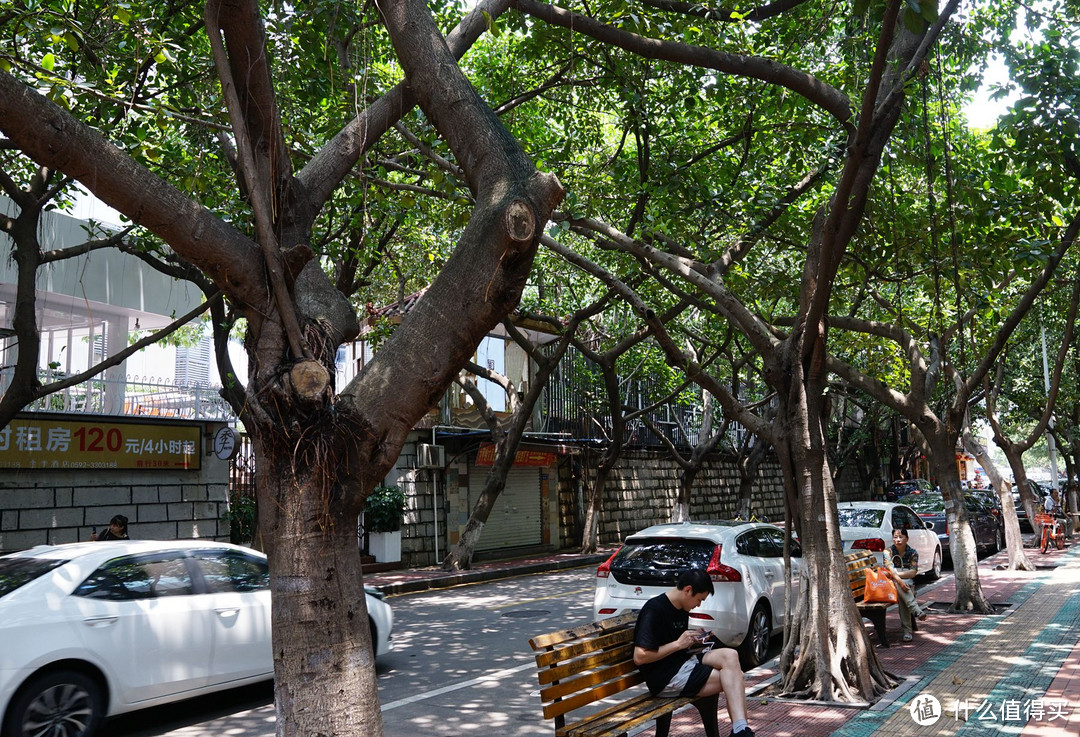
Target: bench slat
(558, 672)
(577, 649)
(625, 716)
(558, 708)
(583, 682)
(592, 628)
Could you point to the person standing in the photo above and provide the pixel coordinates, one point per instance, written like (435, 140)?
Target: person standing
(662, 642)
(118, 530)
(903, 566)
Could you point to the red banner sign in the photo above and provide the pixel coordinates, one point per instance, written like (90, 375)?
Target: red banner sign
(486, 457)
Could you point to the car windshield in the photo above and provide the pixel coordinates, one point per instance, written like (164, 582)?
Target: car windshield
(16, 572)
(659, 560)
(925, 503)
(856, 517)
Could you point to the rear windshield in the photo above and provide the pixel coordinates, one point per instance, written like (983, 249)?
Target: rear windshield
(925, 503)
(16, 572)
(660, 560)
(861, 517)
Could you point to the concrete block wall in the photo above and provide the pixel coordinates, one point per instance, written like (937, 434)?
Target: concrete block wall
(643, 488)
(52, 507)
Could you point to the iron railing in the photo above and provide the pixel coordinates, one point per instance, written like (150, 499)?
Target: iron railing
(135, 395)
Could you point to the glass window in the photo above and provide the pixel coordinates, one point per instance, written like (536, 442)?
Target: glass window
(144, 577)
(925, 503)
(754, 544)
(16, 572)
(229, 570)
(659, 561)
(856, 517)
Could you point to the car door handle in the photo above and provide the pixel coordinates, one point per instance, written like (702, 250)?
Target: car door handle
(770, 574)
(228, 611)
(103, 621)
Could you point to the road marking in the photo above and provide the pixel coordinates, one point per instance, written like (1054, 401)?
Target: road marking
(541, 598)
(497, 675)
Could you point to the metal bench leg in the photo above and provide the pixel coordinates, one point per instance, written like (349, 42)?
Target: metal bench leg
(877, 616)
(663, 724)
(707, 708)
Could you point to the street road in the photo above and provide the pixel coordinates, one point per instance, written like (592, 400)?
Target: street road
(461, 665)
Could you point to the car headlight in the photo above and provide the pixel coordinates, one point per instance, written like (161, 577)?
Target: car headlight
(375, 592)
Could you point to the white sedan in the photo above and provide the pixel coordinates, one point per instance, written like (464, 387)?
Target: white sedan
(743, 559)
(90, 630)
(870, 525)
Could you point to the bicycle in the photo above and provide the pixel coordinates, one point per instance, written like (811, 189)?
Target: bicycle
(1051, 532)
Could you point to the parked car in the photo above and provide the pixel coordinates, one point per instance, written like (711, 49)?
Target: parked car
(983, 516)
(90, 630)
(744, 560)
(870, 525)
(905, 487)
(1038, 496)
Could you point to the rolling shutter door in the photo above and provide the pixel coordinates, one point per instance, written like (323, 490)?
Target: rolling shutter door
(515, 519)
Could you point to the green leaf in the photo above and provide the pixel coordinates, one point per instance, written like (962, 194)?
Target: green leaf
(48, 61)
(1057, 221)
(860, 7)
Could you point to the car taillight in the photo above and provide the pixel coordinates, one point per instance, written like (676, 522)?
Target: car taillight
(606, 611)
(718, 571)
(871, 543)
(605, 568)
(699, 615)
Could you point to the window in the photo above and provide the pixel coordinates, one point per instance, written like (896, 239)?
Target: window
(16, 572)
(144, 577)
(228, 570)
(856, 517)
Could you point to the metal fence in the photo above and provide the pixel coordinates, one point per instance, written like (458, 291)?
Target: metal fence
(135, 395)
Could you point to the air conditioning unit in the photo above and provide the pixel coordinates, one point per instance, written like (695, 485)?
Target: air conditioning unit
(430, 456)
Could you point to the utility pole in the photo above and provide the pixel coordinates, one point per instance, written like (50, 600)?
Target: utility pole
(1050, 425)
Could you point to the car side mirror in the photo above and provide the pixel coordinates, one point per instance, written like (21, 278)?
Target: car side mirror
(929, 525)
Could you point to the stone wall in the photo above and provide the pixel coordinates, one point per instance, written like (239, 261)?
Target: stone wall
(643, 487)
(47, 506)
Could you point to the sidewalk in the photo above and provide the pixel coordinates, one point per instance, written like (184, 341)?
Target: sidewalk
(1016, 673)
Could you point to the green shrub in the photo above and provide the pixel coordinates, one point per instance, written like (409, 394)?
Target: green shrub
(384, 510)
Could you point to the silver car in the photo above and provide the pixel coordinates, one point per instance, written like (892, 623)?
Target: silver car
(743, 559)
(870, 525)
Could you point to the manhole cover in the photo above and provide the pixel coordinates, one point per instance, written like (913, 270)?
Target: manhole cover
(1047, 567)
(526, 613)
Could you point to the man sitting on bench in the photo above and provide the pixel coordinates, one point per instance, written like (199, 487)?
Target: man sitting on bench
(662, 644)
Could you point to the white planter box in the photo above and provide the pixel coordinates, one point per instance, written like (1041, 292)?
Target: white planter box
(385, 546)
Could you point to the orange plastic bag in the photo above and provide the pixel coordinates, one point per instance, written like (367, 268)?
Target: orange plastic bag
(879, 588)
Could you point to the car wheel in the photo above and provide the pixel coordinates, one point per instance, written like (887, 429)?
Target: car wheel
(374, 637)
(935, 570)
(1000, 544)
(755, 646)
(59, 704)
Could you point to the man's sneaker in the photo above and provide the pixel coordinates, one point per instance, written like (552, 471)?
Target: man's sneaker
(744, 732)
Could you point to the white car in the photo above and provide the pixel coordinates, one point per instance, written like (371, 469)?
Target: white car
(870, 525)
(89, 630)
(743, 559)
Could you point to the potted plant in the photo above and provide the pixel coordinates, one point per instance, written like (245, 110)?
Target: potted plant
(384, 513)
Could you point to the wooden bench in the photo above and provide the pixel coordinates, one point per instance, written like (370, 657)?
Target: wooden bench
(857, 564)
(581, 666)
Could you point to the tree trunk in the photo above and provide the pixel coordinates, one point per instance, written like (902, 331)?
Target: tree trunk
(969, 594)
(826, 654)
(590, 532)
(315, 569)
(1014, 543)
(748, 465)
(681, 511)
(1016, 463)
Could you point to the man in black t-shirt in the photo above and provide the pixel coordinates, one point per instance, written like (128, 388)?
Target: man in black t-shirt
(662, 642)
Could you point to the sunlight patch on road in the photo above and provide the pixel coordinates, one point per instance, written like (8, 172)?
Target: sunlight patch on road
(519, 602)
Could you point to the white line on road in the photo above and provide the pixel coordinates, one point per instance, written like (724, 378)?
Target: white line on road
(464, 684)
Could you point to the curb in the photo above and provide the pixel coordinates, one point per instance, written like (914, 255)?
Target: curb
(438, 580)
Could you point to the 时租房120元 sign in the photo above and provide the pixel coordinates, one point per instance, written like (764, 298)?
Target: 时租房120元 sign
(65, 444)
